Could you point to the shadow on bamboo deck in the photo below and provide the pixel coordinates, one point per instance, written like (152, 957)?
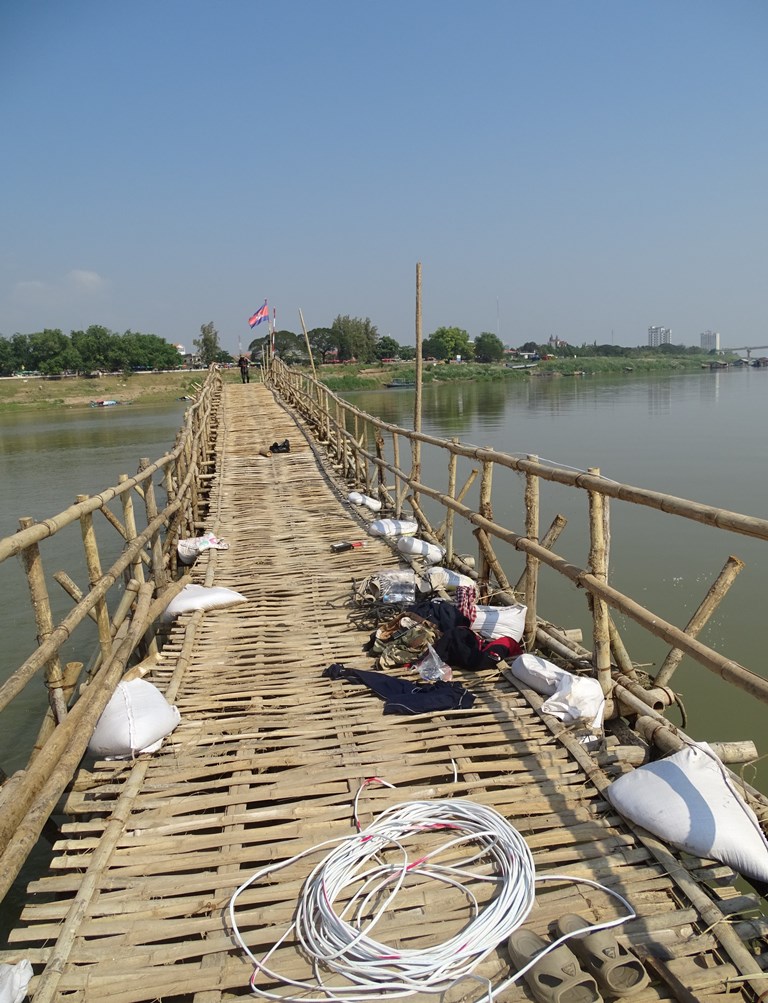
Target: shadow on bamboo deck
(268, 759)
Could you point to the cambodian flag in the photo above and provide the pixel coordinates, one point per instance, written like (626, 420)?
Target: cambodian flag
(261, 314)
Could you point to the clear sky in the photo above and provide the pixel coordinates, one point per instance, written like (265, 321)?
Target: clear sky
(580, 169)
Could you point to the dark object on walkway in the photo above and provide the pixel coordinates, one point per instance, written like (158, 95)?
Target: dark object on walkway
(406, 696)
(464, 649)
(280, 447)
(616, 971)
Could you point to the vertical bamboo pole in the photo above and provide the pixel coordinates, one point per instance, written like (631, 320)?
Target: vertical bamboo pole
(129, 520)
(598, 566)
(449, 515)
(381, 493)
(158, 568)
(399, 490)
(309, 347)
(415, 444)
(531, 563)
(709, 604)
(486, 511)
(41, 605)
(93, 562)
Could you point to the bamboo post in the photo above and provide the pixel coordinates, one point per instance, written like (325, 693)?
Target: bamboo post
(531, 563)
(129, 521)
(399, 486)
(381, 490)
(93, 563)
(158, 568)
(620, 652)
(415, 444)
(486, 511)
(598, 566)
(490, 558)
(38, 592)
(716, 593)
(443, 527)
(449, 515)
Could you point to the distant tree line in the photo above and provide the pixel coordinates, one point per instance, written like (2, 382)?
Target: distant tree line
(52, 352)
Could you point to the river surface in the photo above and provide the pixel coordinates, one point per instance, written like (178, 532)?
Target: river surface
(698, 435)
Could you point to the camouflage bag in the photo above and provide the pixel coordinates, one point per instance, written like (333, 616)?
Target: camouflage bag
(402, 640)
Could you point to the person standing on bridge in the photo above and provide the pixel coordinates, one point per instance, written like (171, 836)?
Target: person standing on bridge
(244, 364)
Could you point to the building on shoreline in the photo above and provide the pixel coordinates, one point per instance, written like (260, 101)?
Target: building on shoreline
(710, 341)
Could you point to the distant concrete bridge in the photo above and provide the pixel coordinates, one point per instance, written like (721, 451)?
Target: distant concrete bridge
(746, 348)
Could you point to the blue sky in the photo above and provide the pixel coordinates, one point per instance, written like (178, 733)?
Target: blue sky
(581, 169)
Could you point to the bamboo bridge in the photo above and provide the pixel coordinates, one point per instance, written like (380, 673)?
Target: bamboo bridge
(271, 758)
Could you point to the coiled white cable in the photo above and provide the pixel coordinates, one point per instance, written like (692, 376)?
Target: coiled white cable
(341, 942)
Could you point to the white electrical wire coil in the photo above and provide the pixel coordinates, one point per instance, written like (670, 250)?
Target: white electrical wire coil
(341, 942)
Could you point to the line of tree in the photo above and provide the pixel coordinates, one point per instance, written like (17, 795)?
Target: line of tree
(52, 352)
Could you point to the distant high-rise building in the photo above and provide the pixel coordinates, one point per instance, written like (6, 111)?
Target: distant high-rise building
(659, 336)
(710, 341)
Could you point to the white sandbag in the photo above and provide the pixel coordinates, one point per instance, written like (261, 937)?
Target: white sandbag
(136, 719)
(14, 980)
(360, 499)
(392, 527)
(500, 621)
(578, 700)
(410, 545)
(444, 578)
(536, 672)
(690, 801)
(190, 549)
(194, 597)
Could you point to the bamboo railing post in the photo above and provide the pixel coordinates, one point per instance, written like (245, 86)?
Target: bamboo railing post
(598, 566)
(309, 347)
(486, 511)
(93, 563)
(158, 567)
(716, 593)
(41, 606)
(129, 519)
(399, 485)
(531, 563)
(381, 489)
(449, 515)
(70, 676)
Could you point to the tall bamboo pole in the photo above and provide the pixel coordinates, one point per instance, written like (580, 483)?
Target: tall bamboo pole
(598, 566)
(486, 511)
(415, 443)
(452, 462)
(306, 339)
(531, 563)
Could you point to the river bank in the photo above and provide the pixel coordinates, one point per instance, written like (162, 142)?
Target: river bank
(40, 393)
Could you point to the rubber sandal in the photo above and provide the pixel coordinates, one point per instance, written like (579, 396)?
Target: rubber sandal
(616, 970)
(557, 977)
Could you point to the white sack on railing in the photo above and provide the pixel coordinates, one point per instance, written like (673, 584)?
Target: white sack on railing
(572, 699)
(431, 552)
(136, 719)
(194, 597)
(690, 800)
(392, 527)
(360, 499)
(14, 980)
(444, 578)
(500, 621)
(190, 549)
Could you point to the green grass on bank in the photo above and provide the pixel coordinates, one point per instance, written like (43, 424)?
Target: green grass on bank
(72, 392)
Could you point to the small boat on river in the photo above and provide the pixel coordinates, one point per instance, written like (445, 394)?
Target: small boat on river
(400, 384)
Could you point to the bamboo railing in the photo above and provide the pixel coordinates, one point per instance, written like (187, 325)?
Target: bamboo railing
(123, 600)
(357, 445)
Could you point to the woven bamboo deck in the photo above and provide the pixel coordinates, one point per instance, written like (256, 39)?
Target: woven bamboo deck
(269, 756)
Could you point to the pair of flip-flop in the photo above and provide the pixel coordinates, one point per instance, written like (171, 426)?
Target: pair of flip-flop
(597, 965)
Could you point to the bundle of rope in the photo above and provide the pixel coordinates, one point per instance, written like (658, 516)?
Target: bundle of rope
(357, 882)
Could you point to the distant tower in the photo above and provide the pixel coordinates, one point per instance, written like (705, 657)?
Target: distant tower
(659, 336)
(710, 341)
